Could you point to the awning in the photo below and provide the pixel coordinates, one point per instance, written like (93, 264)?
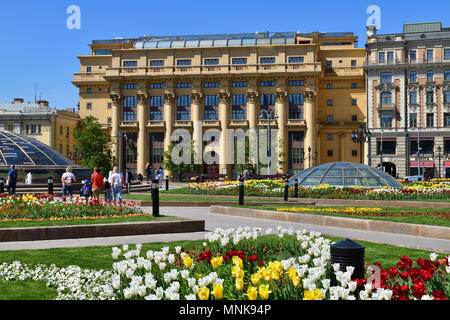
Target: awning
(426, 164)
(447, 164)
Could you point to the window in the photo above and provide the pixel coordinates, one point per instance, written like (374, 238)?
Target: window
(239, 103)
(354, 118)
(447, 75)
(211, 84)
(385, 77)
(354, 153)
(129, 108)
(354, 102)
(239, 61)
(267, 84)
(101, 52)
(89, 90)
(430, 55)
(330, 153)
(239, 84)
(330, 136)
(184, 108)
(430, 97)
(413, 97)
(209, 62)
(156, 85)
(329, 102)
(382, 57)
(430, 120)
(386, 98)
(296, 106)
(211, 114)
(267, 100)
(413, 120)
(60, 129)
(88, 69)
(387, 147)
(386, 120)
(184, 85)
(354, 85)
(353, 63)
(27, 129)
(109, 105)
(296, 83)
(156, 63)
(109, 120)
(447, 120)
(430, 75)
(446, 96)
(390, 57)
(447, 54)
(330, 86)
(412, 56)
(130, 85)
(330, 118)
(270, 60)
(184, 62)
(89, 106)
(211, 101)
(296, 59)
(128, 64)
(426, 145)
(329, 64)
(156, 101)
(413, 76)
(67, 132)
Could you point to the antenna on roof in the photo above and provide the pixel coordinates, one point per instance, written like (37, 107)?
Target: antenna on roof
(35, 85)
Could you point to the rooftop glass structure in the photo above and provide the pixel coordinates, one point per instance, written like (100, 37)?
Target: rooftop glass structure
(345, 174)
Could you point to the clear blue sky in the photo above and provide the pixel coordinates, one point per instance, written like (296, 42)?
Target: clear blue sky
(37, 47)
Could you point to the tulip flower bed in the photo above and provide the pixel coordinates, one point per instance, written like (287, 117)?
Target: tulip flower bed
(275, 188)
(43, 207)
(242, 264)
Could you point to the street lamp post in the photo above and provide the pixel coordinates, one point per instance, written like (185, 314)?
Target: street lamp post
(361, 136)
(314, 158)
(270, 115)
(419, 150)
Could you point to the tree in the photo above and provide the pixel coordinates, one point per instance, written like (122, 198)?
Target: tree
(95, 145)
(185, 167)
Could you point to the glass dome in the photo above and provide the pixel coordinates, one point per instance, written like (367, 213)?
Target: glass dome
(345, 174)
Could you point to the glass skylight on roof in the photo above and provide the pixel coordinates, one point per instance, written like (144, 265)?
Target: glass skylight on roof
(220, 43)
(178, 44)
(248, 42)
(234, 42)
(164, 44)
(278, 40)
(191, 44)
(206, 43)
(263, 42)
(150, 44)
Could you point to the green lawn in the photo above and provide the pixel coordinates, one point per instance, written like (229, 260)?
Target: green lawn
(188, 198)
(426, 220)
(47, 223)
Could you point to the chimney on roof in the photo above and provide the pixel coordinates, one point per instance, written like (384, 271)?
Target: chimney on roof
(18, 100)
(43, 102)
(371, 31)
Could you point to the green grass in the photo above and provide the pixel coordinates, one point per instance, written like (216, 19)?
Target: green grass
(98, 258)
(426, 220)
(46, 223)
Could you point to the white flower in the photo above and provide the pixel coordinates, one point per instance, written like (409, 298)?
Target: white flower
(326, 283)
(116, 252)
(178, 249)
(162, 266)
(426, 297)
(363, 295)
(352, 286)
(336, 267)
(433, 256)
(191, 297)
(125, 247)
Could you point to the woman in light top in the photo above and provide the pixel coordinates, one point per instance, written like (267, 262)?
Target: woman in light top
(67, 180)
(116, 184)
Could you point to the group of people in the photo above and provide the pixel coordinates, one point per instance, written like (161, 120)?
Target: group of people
(112, 185)
(159, 174)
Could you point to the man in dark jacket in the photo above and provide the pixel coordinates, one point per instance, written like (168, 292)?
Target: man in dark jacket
(12, 180)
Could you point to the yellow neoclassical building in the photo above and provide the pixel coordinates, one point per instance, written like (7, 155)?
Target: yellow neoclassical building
(37, 120)
(143, 89)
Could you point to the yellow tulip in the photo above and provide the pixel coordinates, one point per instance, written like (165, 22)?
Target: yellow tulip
(296, 281)
(217, 262)
(268, 275)
(218, 291)
(239, 284)
(264, 291)
(237, 272)
(203, 293)
(275, 276)
(187, 261)
(292, 273)
(252, 293)
(316, 294)
(238, 262)
(255, 279)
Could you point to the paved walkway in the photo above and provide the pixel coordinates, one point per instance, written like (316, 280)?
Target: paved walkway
(213, 221)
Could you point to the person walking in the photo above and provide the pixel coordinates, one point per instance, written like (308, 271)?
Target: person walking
(128, 179)
(12, 180)
(108, 191)
(67, 180)
(116, 182)
(159, 176)
(148, 171)
(86, 190)
(97, 183)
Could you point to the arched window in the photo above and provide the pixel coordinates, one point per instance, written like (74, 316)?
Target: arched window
(386, 98)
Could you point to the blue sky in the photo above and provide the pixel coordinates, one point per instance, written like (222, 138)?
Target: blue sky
(38, 48)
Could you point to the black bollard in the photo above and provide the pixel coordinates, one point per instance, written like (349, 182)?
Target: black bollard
(347, 253)
(2, 185)
(197, 179)
(167, 182)
(50, 185)
(241, 191)
(203, 178)
(286, 190)
(155, 198)
(296, 188)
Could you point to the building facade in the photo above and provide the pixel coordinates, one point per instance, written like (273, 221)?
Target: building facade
(143, 89)
(37, 120)
(408, 100)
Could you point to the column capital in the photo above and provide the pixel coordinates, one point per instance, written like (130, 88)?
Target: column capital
(196, 97)
(169, 97)
(252, 95)
(115, 98)
(224, 97)
(141, 98)
(280, 96)
(310, 96)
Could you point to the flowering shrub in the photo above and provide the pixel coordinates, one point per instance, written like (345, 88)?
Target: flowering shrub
(32, 207)
(270, 188)
(234, 264)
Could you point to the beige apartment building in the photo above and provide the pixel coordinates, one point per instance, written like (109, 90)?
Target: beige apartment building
(143, 89)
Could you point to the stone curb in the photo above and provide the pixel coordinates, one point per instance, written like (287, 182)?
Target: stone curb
(100, 230)
(212, 203)
(352, 223)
